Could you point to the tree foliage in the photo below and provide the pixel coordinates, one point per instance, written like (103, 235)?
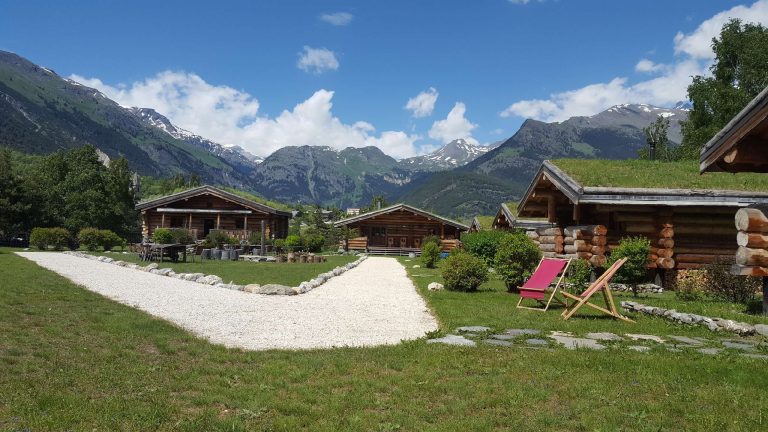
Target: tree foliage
(739, 73)
(656, 137)
(516, 258)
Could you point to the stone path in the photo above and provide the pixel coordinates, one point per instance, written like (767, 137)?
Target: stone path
(534, 338)
(373, 304)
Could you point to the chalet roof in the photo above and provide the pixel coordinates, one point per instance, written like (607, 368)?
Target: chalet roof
(514, 222)
(397, 207)
(209, 190)
(753, 116)
(578, 193)
(475, 224)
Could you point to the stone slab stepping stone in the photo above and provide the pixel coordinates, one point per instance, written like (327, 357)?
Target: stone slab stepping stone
(604, 336)
(645, 337)
(503, 336)
(739, 346)
(521, 332)
(757, 356)
(686, 340)
(472, 329)
(453, 340)
(710, 351)
(573, 343)
(537, 342)
(640, 348)
(498, 342)
(674, 350)
(561, 333)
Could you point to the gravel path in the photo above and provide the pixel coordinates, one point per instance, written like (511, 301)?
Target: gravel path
(372, 304)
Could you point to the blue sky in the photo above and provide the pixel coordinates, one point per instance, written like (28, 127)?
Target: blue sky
(233, 70)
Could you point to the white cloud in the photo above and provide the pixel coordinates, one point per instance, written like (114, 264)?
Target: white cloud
(337, 18)
(694, 56)
(523, 2)
(423, 103)
(648, 66)
(698, 44)
(229, 116)
(454, 126)
(317, 60)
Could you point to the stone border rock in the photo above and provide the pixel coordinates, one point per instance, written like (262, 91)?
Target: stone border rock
(714, 324)
(213, 280)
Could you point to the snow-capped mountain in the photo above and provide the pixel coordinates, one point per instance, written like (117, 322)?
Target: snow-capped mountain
(454, 154)
(233, 154)
(637, 116)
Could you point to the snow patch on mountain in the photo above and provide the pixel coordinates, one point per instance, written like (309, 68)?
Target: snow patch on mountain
(454, 154)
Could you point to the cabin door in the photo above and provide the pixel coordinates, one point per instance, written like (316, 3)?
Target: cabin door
(208, 225)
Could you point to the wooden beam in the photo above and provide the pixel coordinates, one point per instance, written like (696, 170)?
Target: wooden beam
(218, 221)
(551, 209)
(162, 220)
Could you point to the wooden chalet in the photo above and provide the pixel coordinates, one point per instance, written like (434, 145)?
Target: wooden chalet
(207, 208)
(688, 228)
(742, 146)
(400, 229)
(506, 220)
(475, 225)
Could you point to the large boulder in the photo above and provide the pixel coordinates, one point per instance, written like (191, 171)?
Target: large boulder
(434, 286)
(251, 288)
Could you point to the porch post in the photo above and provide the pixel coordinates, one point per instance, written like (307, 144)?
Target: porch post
(218, 220)
(442, 231)
(189, 224)
(162, 220)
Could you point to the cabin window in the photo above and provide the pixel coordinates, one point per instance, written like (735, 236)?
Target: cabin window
(177, 222)
(239, 223)
(378, 232)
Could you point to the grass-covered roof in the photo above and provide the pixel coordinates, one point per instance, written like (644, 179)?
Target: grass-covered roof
(633, 173)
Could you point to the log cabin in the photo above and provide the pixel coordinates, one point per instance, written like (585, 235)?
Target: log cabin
(595, 203)
(742, 147)
(207, 208)
(400, 229)
(506, 220)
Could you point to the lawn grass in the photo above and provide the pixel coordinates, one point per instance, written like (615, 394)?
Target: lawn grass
(494, 307)
(243, 273)
(73, 360)
(636, 173)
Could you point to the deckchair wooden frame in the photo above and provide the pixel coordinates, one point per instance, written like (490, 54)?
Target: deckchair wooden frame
(601, 284)
(545, 306)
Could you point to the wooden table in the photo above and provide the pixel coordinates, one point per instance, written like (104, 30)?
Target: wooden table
(172, 249)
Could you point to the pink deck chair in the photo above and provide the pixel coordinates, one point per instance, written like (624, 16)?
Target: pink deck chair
(540, 281)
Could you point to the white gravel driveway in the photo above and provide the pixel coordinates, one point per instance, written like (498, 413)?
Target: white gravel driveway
(372, 304)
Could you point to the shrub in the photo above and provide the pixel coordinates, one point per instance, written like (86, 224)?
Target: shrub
(516, 258)
(182, 236)
(483, 244)
(109, 240)
(430, 253)
(279, 245)
(580, 272)
(313, 242)
(462, 271)
(163, 236)
(431, 239)
(43, 238)
(690, 285)
(634, 270)
(91, 238)
(293, 243)
(255, 238)
(218, 238)
(722, 285)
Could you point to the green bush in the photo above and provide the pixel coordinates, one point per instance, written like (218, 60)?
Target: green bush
(182, 236)
(293, 243)
(279, 245)
(313, 242)
(462, 271)
(431, 239)
(218, 238)
(91, 238)
(516, 258)
(43, 238)
(430, 253)
(634, 271)
(483, 244)
(722, 285)
(109, 240)
(579, 274)
(255, 238)
(163, 236)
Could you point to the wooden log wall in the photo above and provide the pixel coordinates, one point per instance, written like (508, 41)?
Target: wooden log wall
(549, 240)
(752, 240)
(703, 237)
(586, 242)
